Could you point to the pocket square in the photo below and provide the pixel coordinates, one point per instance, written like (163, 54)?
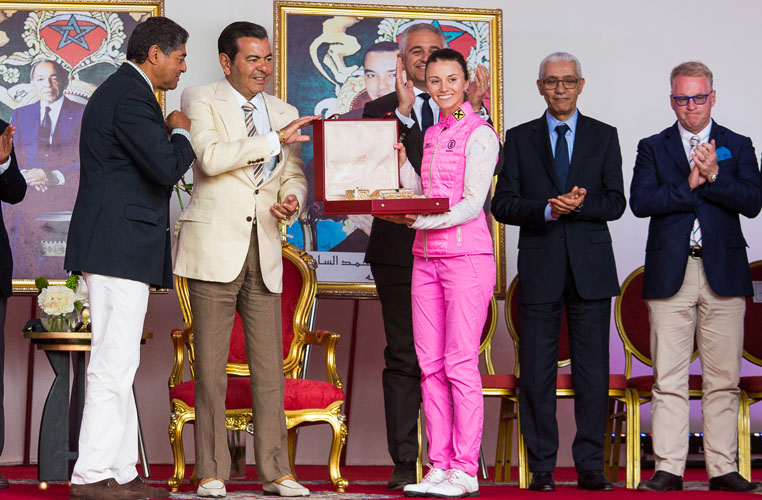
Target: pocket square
(723, 153)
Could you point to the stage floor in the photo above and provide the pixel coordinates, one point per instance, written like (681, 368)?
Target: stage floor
(370, 483)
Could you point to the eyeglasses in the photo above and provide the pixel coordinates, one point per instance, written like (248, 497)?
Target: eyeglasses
(698, 99)
(552, 83)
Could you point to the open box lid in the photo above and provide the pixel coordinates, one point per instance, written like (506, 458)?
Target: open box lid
(351, 154)
(359, 154)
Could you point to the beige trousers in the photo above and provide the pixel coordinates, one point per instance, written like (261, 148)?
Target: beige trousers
(214, 305)
(717, 325)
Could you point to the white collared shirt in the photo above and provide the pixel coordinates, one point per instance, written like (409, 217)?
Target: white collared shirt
(418, 109)
(262, 123)
(685, 136)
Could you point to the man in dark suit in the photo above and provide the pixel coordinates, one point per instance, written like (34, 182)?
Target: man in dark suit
(694, 179)
(12, 190)
(561, 183)
(119, 240)
(390, 249)
(46, 144)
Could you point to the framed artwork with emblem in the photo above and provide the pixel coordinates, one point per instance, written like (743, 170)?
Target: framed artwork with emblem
(331, 59)
(53, 55)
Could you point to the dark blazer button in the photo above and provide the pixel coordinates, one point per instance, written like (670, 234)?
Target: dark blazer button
(256, 192)
(248, 219)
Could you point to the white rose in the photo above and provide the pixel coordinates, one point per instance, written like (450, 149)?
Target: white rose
(81, 292)
(55, 300)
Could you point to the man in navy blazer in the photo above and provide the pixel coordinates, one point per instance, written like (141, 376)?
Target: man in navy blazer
(561, 182)
(46, 145)
(12, 190)
(119, 239)
(693, 180)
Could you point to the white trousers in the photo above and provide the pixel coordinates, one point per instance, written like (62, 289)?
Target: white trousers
(108, 437)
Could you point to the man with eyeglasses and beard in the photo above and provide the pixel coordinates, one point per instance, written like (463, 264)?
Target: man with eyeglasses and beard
(561, 183)
(694, 179)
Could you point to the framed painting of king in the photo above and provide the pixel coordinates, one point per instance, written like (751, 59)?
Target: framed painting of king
(53, 55)
(331, 59)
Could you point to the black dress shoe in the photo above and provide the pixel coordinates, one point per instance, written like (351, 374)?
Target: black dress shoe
(542, 481)
(662, 481)
(404, 473)
(733, 481)
(593, 480)
(3, 482)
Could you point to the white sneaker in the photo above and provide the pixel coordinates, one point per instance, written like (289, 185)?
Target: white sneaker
(457, 484)
(286, 488)
(214, 488)
(431, 479)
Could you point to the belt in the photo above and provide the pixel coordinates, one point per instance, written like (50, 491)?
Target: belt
(695, 252)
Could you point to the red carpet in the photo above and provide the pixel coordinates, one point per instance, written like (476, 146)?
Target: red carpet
(370, 483)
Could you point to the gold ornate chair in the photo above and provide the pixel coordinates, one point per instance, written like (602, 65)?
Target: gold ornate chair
(635, 331)
(306, 401)
(504, 386)
(565, 389)
(751, 385)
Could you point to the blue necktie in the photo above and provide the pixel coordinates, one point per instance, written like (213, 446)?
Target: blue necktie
(562, 155)
(427, 115)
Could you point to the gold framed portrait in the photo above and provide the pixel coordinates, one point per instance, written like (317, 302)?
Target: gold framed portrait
(81, 43)
(319, 65)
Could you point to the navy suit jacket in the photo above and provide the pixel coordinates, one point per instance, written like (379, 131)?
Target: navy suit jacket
(12, 190)
(392, 243)
(660, 190)
(120, 224)
(579, 241)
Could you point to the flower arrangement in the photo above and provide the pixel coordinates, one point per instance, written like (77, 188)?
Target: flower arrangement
(63, 306)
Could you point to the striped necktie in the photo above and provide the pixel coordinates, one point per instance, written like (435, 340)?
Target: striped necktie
(696, 233)
(251, 130)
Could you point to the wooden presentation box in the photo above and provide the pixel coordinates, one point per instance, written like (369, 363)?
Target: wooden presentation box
(350, 154)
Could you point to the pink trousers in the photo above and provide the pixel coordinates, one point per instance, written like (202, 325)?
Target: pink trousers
(450, 300)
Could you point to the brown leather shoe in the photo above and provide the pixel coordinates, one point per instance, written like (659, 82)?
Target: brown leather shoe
(107, 489)
(139, 486)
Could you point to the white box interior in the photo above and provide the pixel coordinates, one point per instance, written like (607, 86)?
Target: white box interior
(359, 154)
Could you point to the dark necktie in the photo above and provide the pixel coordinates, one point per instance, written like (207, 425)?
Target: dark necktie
(562, 155)
(427, 115)
(43, 135)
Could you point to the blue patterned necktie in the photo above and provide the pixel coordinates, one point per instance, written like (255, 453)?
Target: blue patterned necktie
(696, 232)
(562, 155)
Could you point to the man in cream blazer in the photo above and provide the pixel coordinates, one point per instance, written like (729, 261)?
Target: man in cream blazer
(247, 178)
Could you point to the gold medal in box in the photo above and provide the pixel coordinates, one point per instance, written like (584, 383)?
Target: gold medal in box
(381, 194)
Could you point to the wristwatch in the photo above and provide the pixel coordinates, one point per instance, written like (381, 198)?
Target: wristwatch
(713, 177)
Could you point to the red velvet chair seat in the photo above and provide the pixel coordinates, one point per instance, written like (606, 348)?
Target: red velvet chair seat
(500, 381)
(301, 394)
(616, 381)
(645, 383)
(751, 384)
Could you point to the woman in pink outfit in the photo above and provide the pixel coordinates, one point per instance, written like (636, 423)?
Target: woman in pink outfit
(453, 275)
